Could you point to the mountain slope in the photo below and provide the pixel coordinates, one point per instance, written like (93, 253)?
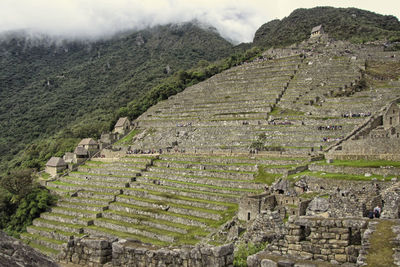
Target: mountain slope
(45, 86)
(351, 24)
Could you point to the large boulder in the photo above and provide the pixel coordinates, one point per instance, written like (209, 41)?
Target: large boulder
(318, 206)
(14, 253)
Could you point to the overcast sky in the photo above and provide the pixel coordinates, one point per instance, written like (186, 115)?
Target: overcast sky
(235, 19)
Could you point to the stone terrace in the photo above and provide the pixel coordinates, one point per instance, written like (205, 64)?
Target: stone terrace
(285, 99)
(168, 199)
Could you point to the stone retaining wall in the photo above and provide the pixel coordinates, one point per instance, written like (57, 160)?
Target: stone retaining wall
(100, 251)
(314, 238)
(353, 170)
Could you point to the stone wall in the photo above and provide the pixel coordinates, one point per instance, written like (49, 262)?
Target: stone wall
(353, 170)
(100, 251)
(314, 238)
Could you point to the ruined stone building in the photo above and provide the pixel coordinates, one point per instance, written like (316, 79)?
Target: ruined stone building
(122, 126)
(317, 31)
(55, 165)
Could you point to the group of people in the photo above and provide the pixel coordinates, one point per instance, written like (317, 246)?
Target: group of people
(356, 115)
(330, 127)
(375, 213)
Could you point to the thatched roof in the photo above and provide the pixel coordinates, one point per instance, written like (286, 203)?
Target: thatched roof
(56, 162)
(316, 28)
(80, 151)
(87, 141)
(121, 122)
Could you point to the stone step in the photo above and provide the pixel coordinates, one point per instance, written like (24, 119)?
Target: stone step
(51, 233)
(52, 253)
(132, 159)
(238, 184)
(208, 173)
(113, 171)
(58, 225)
(196, 184)
(43, 241)
(107, 197)
(76, 212)
(135, 219)
(94, 230)
(158, 214)
(89, 182)
(82, 206)
(232, 159)
(228, 198)
(76, 187)
(154, 195)
(160, 182)
(93, 178)
(136, 229)
(204, 166)
(67, 219)
(170, 206)
(89, 200)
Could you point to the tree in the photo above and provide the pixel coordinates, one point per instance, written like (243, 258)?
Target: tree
(18, 183)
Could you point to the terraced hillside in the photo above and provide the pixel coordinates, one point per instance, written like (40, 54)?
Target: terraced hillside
(171, 199)
(283, 108)
(286, 101)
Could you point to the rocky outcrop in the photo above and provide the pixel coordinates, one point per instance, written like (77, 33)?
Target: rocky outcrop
(14, 253)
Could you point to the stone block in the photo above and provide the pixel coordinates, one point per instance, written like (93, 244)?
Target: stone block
(321, 257)
(285, 263)
(329, 235)
(292, 238)
(295, 247)
(341, 257)
(306, 255)
(268, 263)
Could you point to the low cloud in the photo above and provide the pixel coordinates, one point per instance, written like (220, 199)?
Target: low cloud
(236, 20)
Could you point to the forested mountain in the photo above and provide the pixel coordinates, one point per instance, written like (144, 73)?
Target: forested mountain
(351, 24)
(77, 86)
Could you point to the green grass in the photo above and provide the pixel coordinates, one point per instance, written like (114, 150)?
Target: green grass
(380, 252)
(364, 163)
(339, 176)
(40, 237)
(309, 195)
(277, 111)
(56, 231)
(264, 177)
(127, 139)
(45, 250)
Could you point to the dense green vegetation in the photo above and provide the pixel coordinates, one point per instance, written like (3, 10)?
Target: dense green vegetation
(21, 200)
(71, 90)
(245, 250)
(341, 23)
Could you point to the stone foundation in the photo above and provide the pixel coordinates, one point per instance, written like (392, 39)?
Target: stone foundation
(99, 252)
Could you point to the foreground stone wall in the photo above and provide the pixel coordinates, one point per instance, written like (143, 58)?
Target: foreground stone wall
(314, 238)
(102, 251)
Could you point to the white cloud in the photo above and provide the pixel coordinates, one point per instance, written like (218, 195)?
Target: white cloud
(235, 19)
